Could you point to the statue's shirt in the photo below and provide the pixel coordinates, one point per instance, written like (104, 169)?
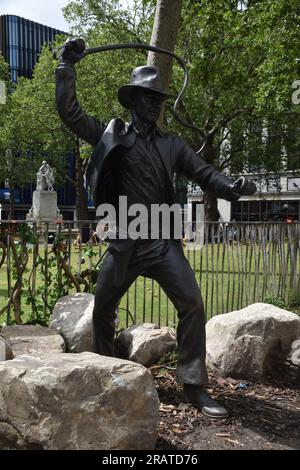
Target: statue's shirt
(142, 175)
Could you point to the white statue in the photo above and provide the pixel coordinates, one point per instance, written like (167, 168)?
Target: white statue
(45, 178)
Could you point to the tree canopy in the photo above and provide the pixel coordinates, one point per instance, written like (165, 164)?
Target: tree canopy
(242, 56)
(242, 63)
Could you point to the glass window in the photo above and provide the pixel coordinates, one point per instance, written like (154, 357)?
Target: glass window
(33, 35)
(10, 33)
(30, 36)
(254, 211)
(42, 37)
(19, 34)
(263, 211)
(293, 184)
(14, 75)
(236, 211)
(273, 184)
(274, 210)
(17, 55)
(29, 61)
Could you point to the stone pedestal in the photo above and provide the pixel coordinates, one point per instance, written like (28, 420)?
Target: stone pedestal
(44, 209)
(44, 205)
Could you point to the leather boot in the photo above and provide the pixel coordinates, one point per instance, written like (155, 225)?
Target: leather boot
(197, 396)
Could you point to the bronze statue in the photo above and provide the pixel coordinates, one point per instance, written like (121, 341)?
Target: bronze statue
(138, 160)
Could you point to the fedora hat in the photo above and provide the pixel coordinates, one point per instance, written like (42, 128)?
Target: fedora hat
(146, 77)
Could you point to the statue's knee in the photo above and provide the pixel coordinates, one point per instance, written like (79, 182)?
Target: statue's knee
(196, 303)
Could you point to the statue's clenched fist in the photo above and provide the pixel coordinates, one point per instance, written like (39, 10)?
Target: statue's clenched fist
(72, 51)
(241, 187)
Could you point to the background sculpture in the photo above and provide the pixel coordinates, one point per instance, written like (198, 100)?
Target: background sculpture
(45, 178)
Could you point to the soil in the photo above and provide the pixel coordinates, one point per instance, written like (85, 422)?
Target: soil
(262, 416)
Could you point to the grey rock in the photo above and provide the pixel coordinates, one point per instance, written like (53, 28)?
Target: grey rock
(249, 342)
(76, 401)
(72, 318)
(295, 352)
(6, 352)
(147, 343)
(32, 339)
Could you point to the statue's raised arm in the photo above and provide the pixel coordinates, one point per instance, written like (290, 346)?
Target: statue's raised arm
(84, 126)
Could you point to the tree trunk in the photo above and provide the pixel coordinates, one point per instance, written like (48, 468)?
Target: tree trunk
(164, 34)
(211, 212)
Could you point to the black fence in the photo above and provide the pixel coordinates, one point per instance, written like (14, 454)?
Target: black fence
(235, 264)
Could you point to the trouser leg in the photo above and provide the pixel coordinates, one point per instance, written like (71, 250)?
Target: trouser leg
(107, 298)
(177, 279)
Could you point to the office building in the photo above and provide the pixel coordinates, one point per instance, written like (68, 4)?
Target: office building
(21, 41)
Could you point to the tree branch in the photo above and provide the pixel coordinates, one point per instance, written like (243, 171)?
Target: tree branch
(225, 120)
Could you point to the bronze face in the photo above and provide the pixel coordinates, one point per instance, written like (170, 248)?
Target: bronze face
(147, 105)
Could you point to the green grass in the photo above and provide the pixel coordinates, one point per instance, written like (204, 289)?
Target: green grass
(230, 277)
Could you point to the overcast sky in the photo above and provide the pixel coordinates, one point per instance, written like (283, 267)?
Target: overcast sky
(47, 12)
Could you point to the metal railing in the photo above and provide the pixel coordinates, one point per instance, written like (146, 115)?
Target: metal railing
(235, 264)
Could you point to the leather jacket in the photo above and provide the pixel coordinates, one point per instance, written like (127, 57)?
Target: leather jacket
(176, 155)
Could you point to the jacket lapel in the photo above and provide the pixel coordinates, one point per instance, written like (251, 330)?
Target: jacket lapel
(115, 134)
(118, 134)
(163, 144)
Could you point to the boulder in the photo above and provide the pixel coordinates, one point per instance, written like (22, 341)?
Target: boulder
(32, 339)
(76, 401)
(6, 352)
(248, 342)
(147, 343)
(295, 352)
(72, 318)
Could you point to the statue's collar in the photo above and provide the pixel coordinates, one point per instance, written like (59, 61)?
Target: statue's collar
(151, 131)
